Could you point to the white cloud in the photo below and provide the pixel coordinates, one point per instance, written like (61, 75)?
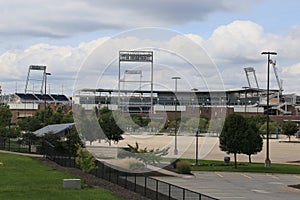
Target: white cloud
(62, 18)
(231, 46)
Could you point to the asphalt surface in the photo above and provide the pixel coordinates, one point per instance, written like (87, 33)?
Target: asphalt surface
(246, 186)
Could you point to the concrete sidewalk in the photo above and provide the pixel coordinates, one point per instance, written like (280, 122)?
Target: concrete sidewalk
(23, 154)
(280, 150)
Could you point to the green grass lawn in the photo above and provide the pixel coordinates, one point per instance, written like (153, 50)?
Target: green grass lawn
(23, 178)
(211, 165)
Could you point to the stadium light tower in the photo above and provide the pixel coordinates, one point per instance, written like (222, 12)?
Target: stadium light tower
(268, 161)
(175, 148)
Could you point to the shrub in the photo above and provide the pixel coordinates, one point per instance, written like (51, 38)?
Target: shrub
(85, 160)
(183, 167)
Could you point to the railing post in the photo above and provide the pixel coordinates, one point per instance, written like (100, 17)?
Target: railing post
(117, 173)
(169, 191)
(157, 189)
(145, 189)
(183, 194)
(126, 180)
(102, 171)
(135, 182)
(109, 174)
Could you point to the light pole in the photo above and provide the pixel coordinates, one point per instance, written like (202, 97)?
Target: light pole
(245, 99)
(268, 161)
(175, 148)
(46, 74)
(197, 135)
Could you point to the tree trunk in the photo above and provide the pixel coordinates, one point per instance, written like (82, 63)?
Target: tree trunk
(289, 138)
(235, 164)
(249, 158)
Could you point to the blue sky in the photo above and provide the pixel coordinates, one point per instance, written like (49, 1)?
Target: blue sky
(61, 34)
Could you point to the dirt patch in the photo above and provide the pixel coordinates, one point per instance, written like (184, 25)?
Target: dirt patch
(92, 180)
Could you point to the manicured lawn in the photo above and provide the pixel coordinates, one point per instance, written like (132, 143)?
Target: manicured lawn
(210, 165)
(23, 178)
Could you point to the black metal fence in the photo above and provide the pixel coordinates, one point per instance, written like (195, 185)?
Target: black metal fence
(139, 183)
(17, 145)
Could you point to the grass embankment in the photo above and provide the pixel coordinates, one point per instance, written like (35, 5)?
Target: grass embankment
(212, 165)
(24, 178)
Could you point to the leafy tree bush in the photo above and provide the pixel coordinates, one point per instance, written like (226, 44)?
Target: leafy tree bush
(183, 167)
(233, 136)
(254, 142)
(109, 126)
(5, 116)
(272, 128)
(289, 128)
(85, 160)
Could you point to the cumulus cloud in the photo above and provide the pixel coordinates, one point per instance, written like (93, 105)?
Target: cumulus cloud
(232, 47)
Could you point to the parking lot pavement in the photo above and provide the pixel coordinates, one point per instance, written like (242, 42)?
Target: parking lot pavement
(226, 185)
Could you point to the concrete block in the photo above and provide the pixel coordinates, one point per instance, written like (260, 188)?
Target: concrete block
(72, 183)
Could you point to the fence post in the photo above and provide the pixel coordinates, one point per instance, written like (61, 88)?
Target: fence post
(102, 171)
(156, 189)
(109, 174)
(183, 194)
(169, 191)
(117, 174)
(145, 189)
(126, 180)
(8, 144)
(135, 182)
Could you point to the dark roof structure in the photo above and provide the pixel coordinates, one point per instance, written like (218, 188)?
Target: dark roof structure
(42, 97)
(54, 129)
(59, 97)
(27, 97)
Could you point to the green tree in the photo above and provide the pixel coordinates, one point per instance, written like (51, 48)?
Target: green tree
(272, 128)
(56, 117)
(29, 124)
(259, 120)
(193, 123)
(68, 117)
(254, 141)
(85, 160)
(109, 126)
(5, 116)
(233, 135)
(289, 128)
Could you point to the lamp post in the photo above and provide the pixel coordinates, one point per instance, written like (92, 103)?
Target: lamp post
(245, 99)
(197, 136)
(268, 161)
(175, 148)
(46, 74)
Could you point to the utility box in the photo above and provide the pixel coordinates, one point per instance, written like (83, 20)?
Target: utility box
(72, 183)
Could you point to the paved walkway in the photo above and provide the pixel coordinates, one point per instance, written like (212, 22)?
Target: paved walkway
(246, 186)
(280, 150)
(24, 154)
